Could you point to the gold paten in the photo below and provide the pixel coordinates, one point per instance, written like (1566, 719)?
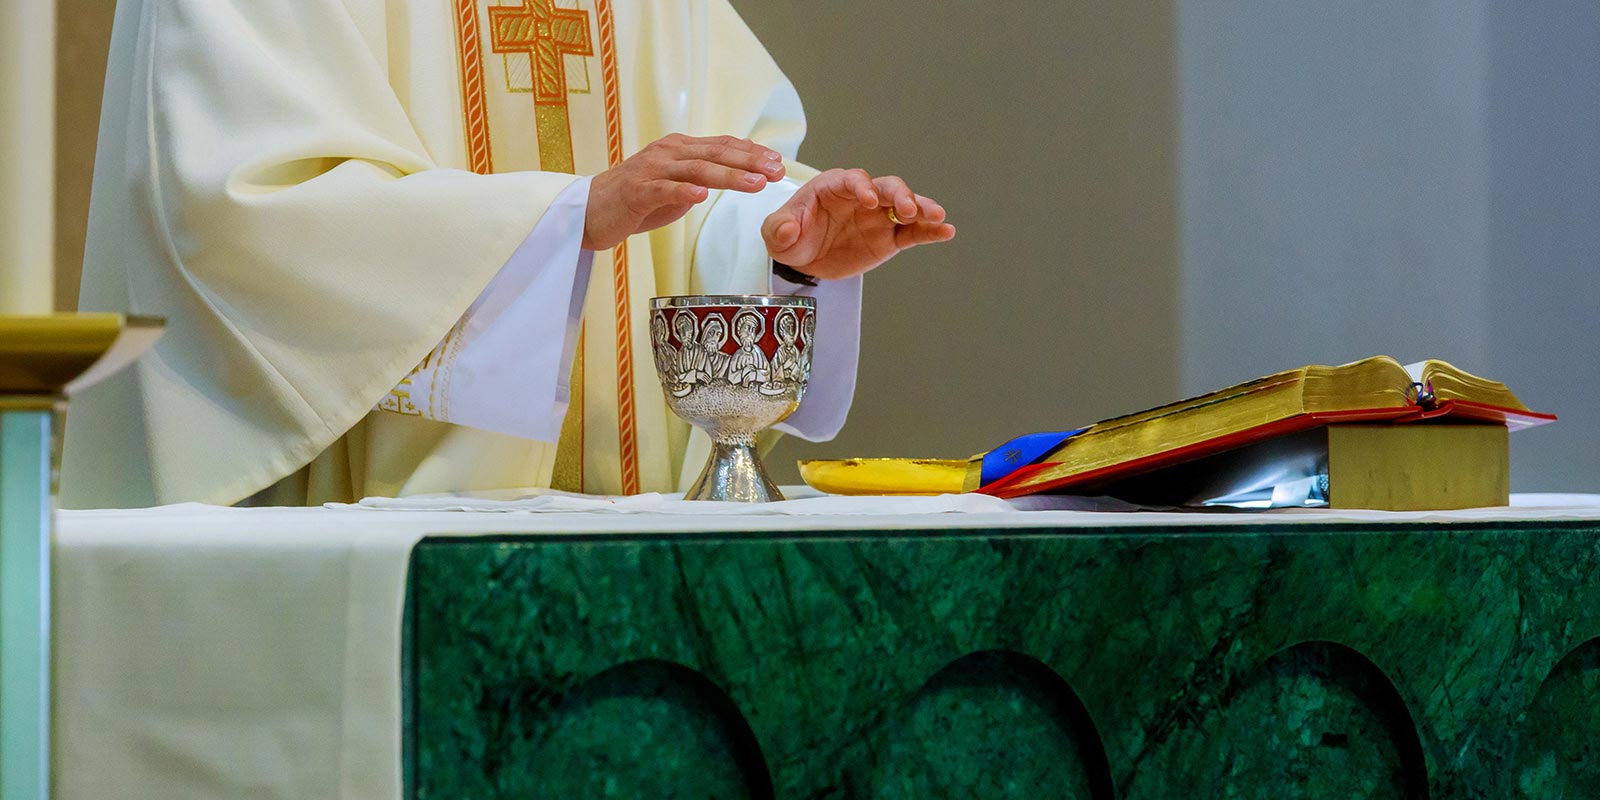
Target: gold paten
(885, 476)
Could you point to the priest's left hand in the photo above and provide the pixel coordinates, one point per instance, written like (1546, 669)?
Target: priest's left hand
(838, 224)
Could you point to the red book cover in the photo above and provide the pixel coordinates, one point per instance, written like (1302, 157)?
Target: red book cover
(1014, 485)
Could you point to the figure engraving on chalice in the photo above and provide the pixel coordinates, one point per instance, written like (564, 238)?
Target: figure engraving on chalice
(666, 354)
(713, 335)
(687, 361)
(749, 364)
(808, 342)
(786, 367)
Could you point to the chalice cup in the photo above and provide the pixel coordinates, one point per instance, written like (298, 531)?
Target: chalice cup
(733, 366)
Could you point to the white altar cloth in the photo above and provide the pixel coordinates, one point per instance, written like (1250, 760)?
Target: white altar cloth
(204, 652)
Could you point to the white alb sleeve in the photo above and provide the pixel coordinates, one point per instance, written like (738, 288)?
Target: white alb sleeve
(731, 258)
(506, 367)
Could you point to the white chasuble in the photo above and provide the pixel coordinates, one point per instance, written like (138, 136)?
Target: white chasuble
(314, 193)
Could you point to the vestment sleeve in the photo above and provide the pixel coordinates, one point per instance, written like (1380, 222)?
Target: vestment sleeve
(260, 185)
(506, 367)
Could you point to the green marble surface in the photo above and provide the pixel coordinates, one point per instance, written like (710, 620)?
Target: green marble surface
(1262, 662)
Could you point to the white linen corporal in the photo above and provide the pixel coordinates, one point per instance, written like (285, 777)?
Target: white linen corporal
(511, 373)
(206, 652)
(802, 502)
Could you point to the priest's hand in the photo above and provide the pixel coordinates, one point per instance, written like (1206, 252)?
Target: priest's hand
(839, 224)
(659, 184)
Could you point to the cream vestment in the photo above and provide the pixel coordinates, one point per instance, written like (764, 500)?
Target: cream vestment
(318, 195)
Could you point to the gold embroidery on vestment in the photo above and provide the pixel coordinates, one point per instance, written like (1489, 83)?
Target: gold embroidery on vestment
(398, 400)
(553, 126)
(567, 473)
(546, 34)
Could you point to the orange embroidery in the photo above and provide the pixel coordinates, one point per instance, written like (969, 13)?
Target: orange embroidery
(472, 97)
(626, 430)
(545, 33)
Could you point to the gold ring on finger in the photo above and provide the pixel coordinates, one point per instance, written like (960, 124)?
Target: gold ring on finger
(893, 217)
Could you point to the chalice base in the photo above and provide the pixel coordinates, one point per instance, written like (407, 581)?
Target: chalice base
(734, 474)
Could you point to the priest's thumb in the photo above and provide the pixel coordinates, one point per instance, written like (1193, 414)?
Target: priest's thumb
(782, 232)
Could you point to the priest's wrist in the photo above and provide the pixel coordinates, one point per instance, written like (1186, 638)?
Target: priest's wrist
(791, 274)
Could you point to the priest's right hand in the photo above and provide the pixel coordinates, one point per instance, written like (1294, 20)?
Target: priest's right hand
(660, 183)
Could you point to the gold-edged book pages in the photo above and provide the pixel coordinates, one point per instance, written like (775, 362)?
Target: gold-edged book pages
(1418, 467)
(1448, 383)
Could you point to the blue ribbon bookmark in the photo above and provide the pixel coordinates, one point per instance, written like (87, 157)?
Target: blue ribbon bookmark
(1020, 452)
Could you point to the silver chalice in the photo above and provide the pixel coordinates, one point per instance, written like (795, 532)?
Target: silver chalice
(733, 366)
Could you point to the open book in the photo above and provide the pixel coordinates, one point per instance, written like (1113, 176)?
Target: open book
(1374, 390)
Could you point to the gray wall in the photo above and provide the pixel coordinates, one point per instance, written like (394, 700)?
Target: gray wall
(1543, 134)
(1417, 179)
(1333, 186)
(1047, 129)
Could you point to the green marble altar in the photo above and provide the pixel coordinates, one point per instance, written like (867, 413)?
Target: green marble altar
(1263, 661)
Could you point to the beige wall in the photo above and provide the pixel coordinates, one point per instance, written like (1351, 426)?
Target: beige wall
(84, 31)
(1046, 128)
(1048, 131)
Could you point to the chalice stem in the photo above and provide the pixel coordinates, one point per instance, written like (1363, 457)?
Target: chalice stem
(734, 473)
